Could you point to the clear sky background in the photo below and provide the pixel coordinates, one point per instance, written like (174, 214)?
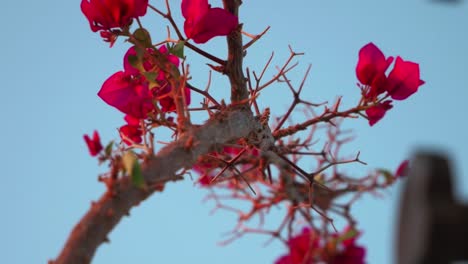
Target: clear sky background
(52, 66)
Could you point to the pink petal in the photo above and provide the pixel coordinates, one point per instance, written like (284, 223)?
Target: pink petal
(402, 169)
(127, 66)
(108, 14)
(127, 95)
(133, 133)
(194, 9)
(140, 7)
(217, 22)
(377, 112)
(148, 64)
(403, 80)
(94, 144)
(171, 57)
(167, 102)
(286, 259)
(133, 121)
(371, 63)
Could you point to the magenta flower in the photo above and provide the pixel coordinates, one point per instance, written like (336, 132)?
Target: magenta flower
(371, 68)
(402, 169)
(205, 180)
(131, 131)
(202, 22)
(377, 112)
(404, 79)
(111, 14)
(162, 94)
(166, 101)
(301, 248)
(128, 94)
(350, 254)
(94, 143)
(148, 64)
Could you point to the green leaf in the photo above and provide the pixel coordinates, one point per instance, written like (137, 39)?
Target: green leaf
(388, 176)
(134, 61)
(150, 76)
(137, 176)
(143, 37)
(108, 149)
(178, 49)
(351, 233)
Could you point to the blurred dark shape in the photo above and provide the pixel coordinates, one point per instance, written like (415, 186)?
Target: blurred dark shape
(446, 1)
(433, 227)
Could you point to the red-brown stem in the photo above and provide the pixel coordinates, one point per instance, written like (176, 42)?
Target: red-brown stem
(325, 117)
(168, 16)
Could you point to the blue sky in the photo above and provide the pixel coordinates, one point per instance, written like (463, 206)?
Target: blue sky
(53, 65)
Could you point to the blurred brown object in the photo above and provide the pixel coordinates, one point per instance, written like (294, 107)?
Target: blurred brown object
(446, 1)
(432, 226)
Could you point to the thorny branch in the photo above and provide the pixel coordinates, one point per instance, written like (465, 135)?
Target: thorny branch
(237, 154)
(94, 227)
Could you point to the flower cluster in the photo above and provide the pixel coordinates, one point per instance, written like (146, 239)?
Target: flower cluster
(202, 22)
(308, 248)
(403, 80)
(133, 93)
(138, 89)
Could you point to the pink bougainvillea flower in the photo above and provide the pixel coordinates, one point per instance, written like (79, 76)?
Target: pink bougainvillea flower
(371, 63)
(166, 101)
(131, 133)
(94, 143)
(131, 120)
(404, 79)
(402, 169)
(147, 65)
(174, 60)
(129, 95)
(110, 14)
(163, 94)
(205, 180)
(350, 254)
(377, 112)
(171, 57)
(202, 22)
(371, 68)
(300, 248)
